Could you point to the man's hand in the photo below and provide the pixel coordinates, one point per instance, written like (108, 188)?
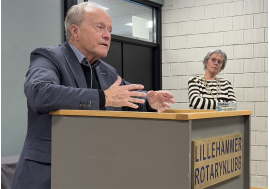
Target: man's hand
(159, 100)
(118, 96)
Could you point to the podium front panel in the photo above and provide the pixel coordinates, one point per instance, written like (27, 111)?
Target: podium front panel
(122, 153)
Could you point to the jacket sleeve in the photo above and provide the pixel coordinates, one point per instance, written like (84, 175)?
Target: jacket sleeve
(44, 91)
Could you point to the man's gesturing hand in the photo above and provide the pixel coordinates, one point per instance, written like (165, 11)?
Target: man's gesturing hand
(118, 96)
(159, 100)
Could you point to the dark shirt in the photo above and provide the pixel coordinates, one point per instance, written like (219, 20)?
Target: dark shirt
(95, 84)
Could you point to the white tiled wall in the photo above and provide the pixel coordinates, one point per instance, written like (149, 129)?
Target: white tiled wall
(190, 28)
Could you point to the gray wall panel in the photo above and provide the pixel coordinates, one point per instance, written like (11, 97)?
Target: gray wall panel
(26, 25)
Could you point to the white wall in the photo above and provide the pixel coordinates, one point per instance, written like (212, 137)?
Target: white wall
(26, 25)
(190, 28)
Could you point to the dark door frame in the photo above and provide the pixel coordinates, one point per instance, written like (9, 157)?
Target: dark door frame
(156, 46)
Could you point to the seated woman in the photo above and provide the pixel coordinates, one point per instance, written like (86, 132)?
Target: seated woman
(207, 90)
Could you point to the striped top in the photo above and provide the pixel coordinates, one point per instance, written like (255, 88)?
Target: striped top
(201, 98)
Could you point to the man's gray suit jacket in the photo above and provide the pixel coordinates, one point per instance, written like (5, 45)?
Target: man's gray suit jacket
(55, 80)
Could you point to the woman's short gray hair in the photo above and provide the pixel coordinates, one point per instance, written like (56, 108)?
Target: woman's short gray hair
(75, 15)
(209, 54)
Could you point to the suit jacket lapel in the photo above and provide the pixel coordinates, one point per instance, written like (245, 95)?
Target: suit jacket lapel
(103, 81)
(74, 65)
(103, 78)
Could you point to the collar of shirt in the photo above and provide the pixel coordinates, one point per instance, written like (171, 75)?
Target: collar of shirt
(82, 59)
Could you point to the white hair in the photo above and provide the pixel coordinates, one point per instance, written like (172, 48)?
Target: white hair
(75, 15)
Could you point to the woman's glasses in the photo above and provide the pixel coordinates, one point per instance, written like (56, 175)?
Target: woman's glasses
(220, 62)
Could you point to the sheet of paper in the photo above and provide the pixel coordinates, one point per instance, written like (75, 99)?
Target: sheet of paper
(140, 27)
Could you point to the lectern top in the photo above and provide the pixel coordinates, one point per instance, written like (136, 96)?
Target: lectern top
(168, 114)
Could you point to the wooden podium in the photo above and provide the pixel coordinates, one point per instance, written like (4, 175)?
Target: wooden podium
(143, 150)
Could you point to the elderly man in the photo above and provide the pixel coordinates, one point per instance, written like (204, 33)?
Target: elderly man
(71, 76)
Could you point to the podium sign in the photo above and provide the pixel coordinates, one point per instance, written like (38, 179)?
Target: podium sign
(216, 159)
